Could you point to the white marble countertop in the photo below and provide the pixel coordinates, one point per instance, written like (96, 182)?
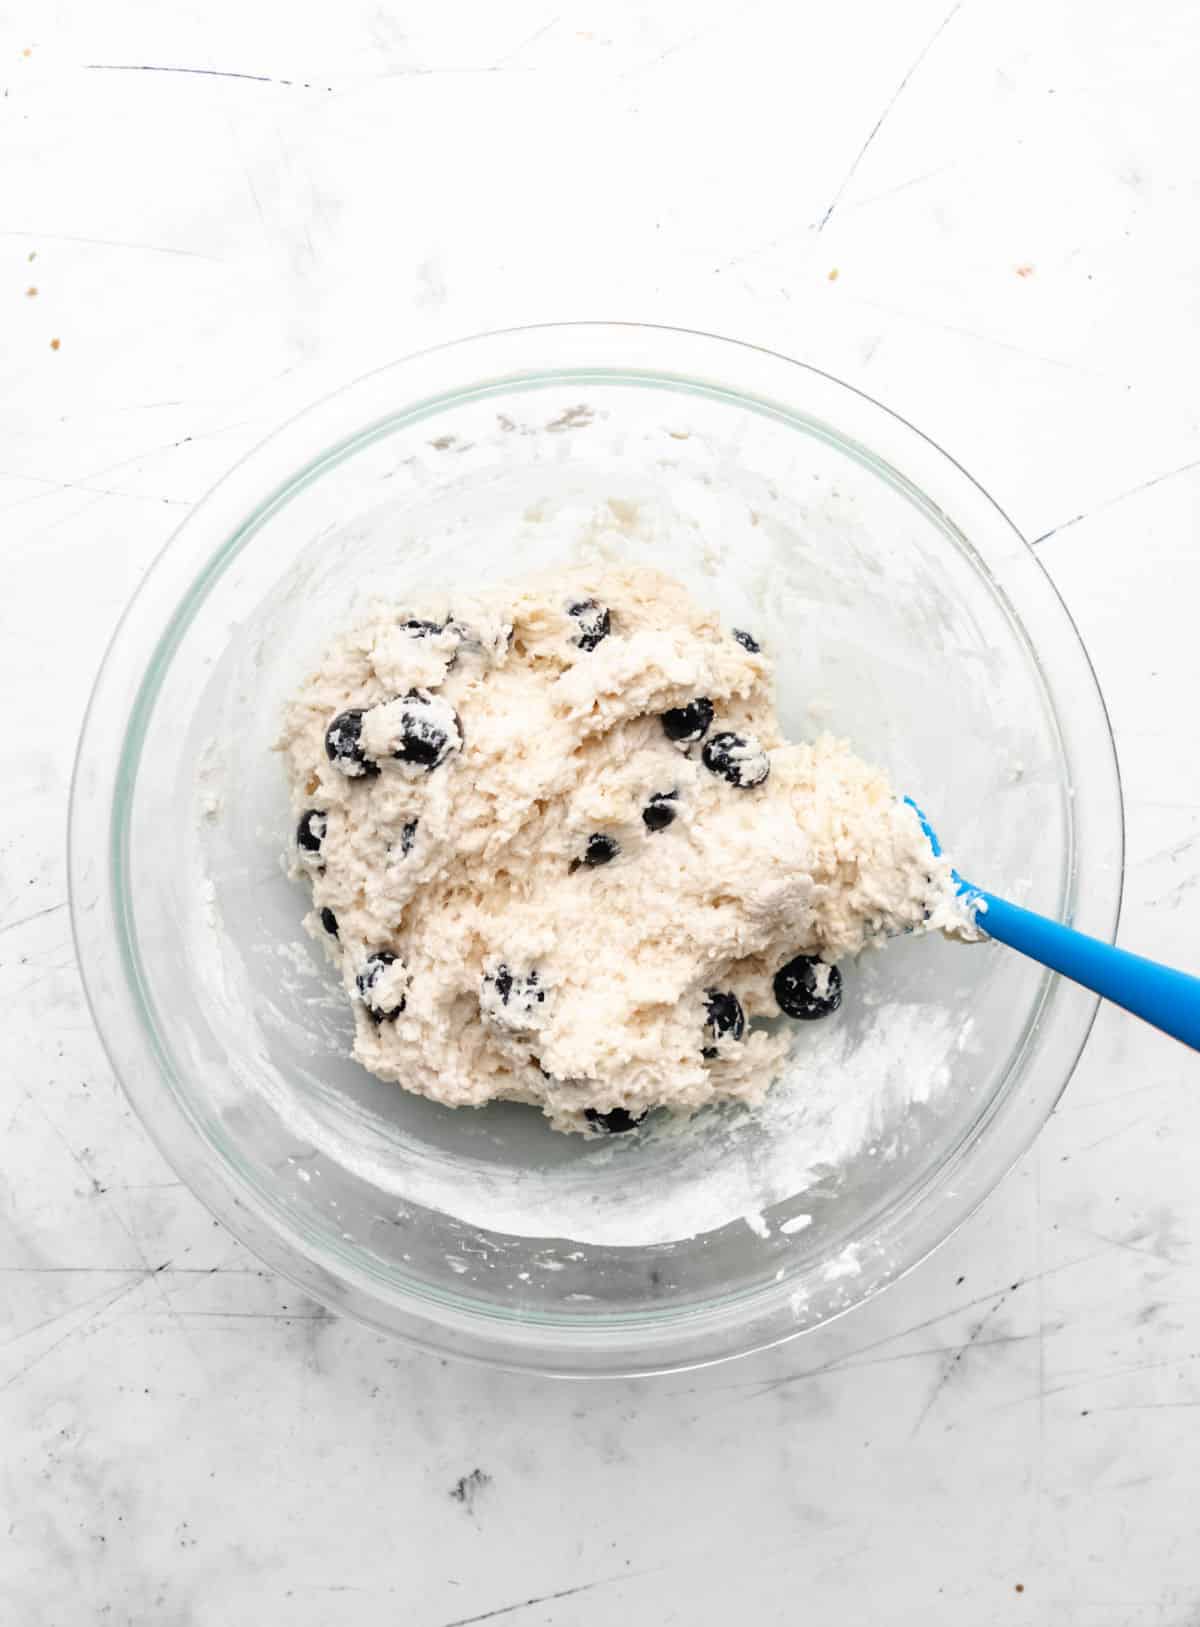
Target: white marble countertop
(983, 215)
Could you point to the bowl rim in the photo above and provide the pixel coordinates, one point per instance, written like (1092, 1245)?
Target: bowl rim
(690, 1337)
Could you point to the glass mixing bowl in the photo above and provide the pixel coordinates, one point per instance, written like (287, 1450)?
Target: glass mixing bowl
(903, 610)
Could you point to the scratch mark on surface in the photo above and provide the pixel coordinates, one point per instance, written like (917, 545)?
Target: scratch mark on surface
(529, 40)
(1135, 1248)
(375, 1590)
(972, 333)
(937, 1350)
(80, 1305)
(882, 119)
(542, 1598)
(673, 50)
(255, 1316)
(1098, 1378)
(1120, 497)
(97, 1187)
(255, 199)
(1117, 1096)
(117, 1294)
(1040, 1293)
(1112, 1135)
(121, 1221)
(759, 1389)
(132, 406)
(56, 486)
(111, 243)
(951, 1367)
(688, 40)
(20, 1107)
(341, 1587)
(51, 909)
(891, 191)
(124, 1270)
(1175, 851)
(206, 73)
(80, 482)
(1174, 896)
(1145, 1406)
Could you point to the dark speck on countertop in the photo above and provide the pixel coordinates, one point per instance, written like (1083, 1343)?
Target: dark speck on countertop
(468, 1487)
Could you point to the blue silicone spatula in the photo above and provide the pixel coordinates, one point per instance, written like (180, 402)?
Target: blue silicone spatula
(1168, 999)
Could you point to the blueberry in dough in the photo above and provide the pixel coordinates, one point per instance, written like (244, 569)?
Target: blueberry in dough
(512, 999)
(600, 849)
(329, 922)
(376, 986)
(310, 832)
(658, 812)
(738, 758)
(616, 1121)
(747, 641)
(426, 731)
(808, 988)
(421, 629)
(687, 724)
(594, 622)
(726, 1020)
(408, 837)
(344, 747)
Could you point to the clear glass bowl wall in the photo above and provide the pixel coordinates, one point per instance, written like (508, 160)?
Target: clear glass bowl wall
(901, 609)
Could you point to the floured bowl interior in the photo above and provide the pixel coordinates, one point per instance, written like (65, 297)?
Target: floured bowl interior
(901, 609)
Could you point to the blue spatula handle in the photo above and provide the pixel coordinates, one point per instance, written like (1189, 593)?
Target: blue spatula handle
(1158, 994)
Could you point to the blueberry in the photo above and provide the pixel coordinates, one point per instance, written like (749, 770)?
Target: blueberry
(726, 1020)
(377, 986)
(600, 849)
(329, 922)
(408, 836)
(738, 758)
(594, 622)
(747, 641)
(808, 987)
(310, 832)
(687, 724)
(511, 999)
(344, 747)
(658, 812)
(421, 629)
(424, 731)
(616, 1121)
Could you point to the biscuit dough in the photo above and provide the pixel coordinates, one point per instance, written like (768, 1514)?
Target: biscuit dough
(561, 853)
